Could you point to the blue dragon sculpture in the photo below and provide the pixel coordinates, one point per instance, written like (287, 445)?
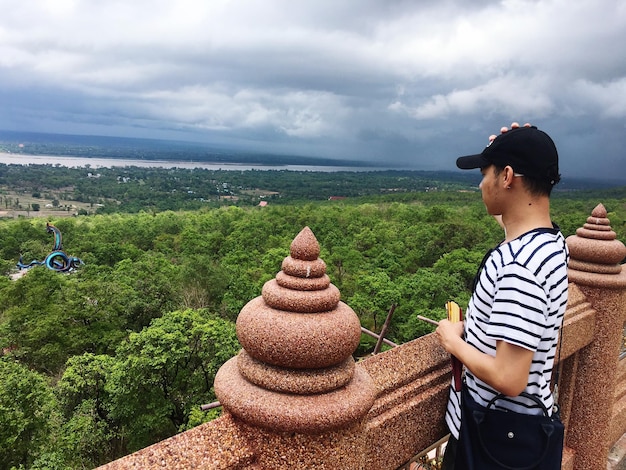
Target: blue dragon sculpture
(58, 259)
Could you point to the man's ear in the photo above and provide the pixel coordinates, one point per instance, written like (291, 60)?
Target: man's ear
(508, 174)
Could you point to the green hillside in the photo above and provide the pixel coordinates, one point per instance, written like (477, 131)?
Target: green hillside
(122, 352)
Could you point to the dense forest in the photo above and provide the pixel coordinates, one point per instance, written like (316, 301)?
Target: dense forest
(121, 352)
(82, 191)
(134, 189)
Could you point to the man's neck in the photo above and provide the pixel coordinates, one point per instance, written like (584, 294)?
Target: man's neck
(525, 214)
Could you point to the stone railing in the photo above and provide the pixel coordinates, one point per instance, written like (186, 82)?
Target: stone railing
(294, 398)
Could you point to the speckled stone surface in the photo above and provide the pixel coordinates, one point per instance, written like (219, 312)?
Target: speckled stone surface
(336, 450)
(292, 282)
(567, 462)
(618, 417)
(593, 394)
(303, 269)
(296, 373)
(300, 413)
(578, 324)
(595, 253)
(297, 340)
(292, 299)
(412, 380)
(220, 444)
(578, 332)
(297, 381)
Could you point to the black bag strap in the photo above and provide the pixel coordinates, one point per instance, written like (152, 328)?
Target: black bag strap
(526, 395)
(555, 387)
(556, 408)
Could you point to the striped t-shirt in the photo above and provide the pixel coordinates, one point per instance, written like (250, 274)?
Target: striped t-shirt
(519, 297)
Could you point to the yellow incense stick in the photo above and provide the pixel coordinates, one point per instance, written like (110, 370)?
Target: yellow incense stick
(454, 311)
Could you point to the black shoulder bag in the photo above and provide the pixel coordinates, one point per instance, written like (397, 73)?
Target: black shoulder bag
(496, 439)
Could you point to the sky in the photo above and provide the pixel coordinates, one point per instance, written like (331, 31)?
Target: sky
(408, 83)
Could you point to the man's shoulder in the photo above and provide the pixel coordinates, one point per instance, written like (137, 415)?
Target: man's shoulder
(535, 243)
(539, 255)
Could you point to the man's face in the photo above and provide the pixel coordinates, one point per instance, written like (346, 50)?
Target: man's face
(491, 190)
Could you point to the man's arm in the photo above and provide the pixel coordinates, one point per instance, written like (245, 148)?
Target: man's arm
(507, 372)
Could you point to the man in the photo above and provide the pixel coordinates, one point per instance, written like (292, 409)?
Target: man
(508, 340)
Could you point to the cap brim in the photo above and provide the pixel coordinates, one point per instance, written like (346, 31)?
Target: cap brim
(470, 162)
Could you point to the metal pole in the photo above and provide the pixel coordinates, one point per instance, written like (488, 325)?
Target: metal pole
(383, 330)
(210, 406)
(374, 335)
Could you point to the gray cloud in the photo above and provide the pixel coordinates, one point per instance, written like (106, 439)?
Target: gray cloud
(414, 83)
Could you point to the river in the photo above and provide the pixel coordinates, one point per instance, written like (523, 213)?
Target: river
(96, 162)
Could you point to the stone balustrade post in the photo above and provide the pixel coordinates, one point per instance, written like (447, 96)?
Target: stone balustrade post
(294, 388)
(594, 267)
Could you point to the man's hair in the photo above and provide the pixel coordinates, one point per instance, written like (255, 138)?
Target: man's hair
(535, 186)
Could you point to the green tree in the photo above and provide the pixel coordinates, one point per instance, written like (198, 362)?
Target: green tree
(424, 293)
(89, 437)
(204, 282)
(245, 283)
(152, 284)
(35, 320)
(461, 262)
(165, 371)
(28, 414)
(376, 293)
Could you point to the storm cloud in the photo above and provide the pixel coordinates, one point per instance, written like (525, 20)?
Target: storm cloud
(411, 83)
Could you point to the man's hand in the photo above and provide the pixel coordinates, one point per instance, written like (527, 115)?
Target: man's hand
(507, 372)
(450, 334)
(504, 130)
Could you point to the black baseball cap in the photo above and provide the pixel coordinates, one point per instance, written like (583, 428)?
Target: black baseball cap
(527, 150)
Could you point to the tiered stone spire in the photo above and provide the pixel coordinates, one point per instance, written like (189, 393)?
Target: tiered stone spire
(595, 252)
(296, 372)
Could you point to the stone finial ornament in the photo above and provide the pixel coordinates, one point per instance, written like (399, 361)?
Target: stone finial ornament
(296, 372)
(595, 250)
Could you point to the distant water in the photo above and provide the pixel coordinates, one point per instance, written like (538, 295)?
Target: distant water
(97, 162)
